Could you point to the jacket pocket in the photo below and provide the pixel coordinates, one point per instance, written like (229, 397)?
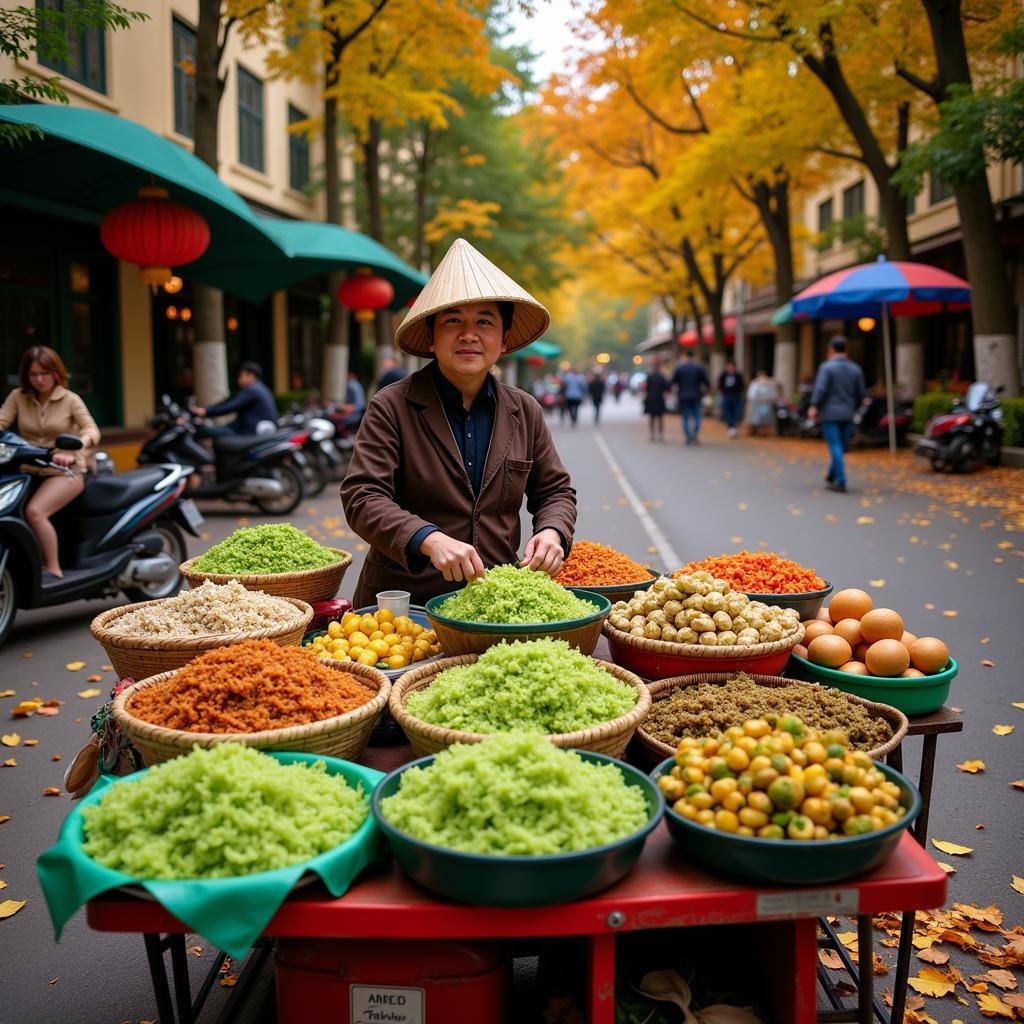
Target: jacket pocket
(513, 487)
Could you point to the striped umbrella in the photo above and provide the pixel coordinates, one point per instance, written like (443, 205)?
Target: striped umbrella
(880, 290)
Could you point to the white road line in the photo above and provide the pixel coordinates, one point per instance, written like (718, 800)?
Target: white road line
(669, 559)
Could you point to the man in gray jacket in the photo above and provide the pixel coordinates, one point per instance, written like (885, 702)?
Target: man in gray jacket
(838, 393)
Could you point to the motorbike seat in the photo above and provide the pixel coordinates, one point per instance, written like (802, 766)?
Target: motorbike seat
(232, 443)
(110, 493)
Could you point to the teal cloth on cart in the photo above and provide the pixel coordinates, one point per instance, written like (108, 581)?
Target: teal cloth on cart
(231, 913)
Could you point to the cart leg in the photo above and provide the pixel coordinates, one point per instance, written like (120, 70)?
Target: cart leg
(158, 972)
(179, 968)
(920, 829)
(601, 979)
(865, 958)
(906, 947)
(894, 759)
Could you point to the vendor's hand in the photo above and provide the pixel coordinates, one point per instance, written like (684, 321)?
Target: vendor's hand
(198, 410)
(812, 412)
(544, 552)
(453, 559)
(62, 459)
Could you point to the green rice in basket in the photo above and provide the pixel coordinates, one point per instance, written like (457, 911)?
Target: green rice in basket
(541, 686)
(515, 794)
(513, 596)
(264, 550)
(220, 813)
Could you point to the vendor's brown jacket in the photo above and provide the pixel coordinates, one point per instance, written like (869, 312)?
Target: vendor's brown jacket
(407, 472)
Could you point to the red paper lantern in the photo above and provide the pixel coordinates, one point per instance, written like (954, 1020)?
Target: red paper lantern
(365, 293)
(155, 233)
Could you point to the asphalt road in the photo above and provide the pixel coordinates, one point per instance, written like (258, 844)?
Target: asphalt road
(935, 553)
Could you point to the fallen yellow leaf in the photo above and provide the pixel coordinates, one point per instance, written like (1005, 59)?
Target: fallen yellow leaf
(26, 708)
(934, 956)
(931, 982)
(106, 668)
(74, 666)
(1004, 979)
(6, 693)
(830, 958)
(1003, 730)
(1017, 784)
(1019, 706)
(987, 663)
(3, 884)
(4, 817)
(952, 848)
(91, 692)
(10, 763)
(742, 506)
(51, 791)
(992, 1006)
(1017, 885)
(8, 908)
(877, 583)
(950, 614)
(948, 868)
(95, 678)
(929, 607)
(972, 766)
(31, 743)
(865, 520)
(11, 739)
(985, 640)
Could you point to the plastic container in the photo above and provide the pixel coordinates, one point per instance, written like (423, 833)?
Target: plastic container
(808, 605)
(621, 591)
(916, 696)
(518, 881)
(395, 601)
(791, 861)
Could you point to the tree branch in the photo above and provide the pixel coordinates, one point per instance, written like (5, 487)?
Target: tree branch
(627, 84)
(723, 29)
(931, 89)
(839, 154)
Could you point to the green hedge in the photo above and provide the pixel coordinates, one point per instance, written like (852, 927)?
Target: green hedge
(934, 403)
(286, 399)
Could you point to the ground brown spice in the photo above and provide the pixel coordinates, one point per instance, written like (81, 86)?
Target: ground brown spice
(708, 709)
(249, 687)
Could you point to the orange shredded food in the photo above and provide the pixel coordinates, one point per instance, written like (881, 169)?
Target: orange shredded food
(249, 687)
(758, 572)
(596, 565)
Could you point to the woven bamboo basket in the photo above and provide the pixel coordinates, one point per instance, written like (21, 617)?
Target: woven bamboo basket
(664, 688)
(344, 736)
(139, 657)
(310, 585)
(609, 738)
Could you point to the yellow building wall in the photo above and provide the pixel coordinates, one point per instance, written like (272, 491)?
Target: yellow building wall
(136, 346)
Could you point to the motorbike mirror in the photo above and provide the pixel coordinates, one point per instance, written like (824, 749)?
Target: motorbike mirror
(68, 442)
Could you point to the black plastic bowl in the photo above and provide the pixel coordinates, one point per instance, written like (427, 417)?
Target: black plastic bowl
(518, 881)
(808, 605)
(792, 861)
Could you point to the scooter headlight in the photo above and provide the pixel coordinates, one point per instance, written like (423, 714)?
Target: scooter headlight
(10, 492)
(7, 452)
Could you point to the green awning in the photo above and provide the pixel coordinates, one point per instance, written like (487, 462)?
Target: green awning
(782, 315)
(540, 347)
(88, 162)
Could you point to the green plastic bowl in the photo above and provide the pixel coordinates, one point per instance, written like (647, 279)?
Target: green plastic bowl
(518, 881)
(808, 605)
(620, 591)
(792, 861)
(602, 606)
(918, 696)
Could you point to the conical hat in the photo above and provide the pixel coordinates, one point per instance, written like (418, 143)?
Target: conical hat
(465, 275)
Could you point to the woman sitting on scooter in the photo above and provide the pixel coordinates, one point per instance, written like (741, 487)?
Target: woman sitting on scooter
(43, 407)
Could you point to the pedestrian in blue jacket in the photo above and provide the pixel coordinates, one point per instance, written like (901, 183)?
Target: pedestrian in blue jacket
(690, 380)
(252, 403)
(838, 393)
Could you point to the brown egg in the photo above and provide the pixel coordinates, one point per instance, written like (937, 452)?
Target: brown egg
(800, 651)
(829, 650)
(929, 654)
(849, 630)
(881, 624)
(887, 658)
(860, 652)
(911, 673)
(824, 615)
(907, 639)
(850, 604)
(816, 628)
(855, 668)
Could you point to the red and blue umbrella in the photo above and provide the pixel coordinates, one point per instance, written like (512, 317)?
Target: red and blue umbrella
(881, 289)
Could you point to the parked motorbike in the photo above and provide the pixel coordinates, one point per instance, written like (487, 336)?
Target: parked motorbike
(871, 423)
(121, 534)
(971, 434)
(319, 460)
(259, 469)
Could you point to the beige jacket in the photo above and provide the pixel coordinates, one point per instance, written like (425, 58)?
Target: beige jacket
(62, 413)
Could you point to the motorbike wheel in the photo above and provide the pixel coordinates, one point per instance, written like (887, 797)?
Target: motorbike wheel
(8, 603)
(174, 546)
(996, 457)
(961, 455)
(294, 490)
(315, 480)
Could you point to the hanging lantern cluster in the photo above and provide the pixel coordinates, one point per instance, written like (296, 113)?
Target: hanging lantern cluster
(156, 233)
(364, 293)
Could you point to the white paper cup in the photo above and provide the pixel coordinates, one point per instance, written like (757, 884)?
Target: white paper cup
(395, 601)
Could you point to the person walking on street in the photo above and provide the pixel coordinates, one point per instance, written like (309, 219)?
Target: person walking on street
(838, 393)
(654, 401)
(761, 396)
(690, 380)
(391, 372)
(574, 388)
(597, 388)
(730, 387)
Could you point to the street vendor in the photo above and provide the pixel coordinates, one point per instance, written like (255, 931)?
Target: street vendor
(445, 457)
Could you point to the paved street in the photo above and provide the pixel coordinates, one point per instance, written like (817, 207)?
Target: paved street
(948, 553)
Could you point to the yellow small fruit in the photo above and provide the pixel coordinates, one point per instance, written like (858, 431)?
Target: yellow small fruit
(359, 637)
(396, 661)
(368, 658)
(334, 630)
(385, 615)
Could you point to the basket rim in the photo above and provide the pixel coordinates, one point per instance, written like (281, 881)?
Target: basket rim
(800, 595)
(653, 820)
(421, 678)
(517, 629)
(605, 588)
(204, 641)
(132, 724)
(189, 573)
(937, 679)
(699, 650)
(659, 691)
(847, 842)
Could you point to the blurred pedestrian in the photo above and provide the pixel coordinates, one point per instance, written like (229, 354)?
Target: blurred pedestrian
(691, 383)
(597, 387)
(731, 388)
(574, 389)
(761, 397)
(654, 401)
(838, 393)
(391, 372)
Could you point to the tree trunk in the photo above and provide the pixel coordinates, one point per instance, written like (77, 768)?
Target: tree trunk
(375, 229)
(991, 295)
(423, 159)
(209, 356)
(334, 374)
